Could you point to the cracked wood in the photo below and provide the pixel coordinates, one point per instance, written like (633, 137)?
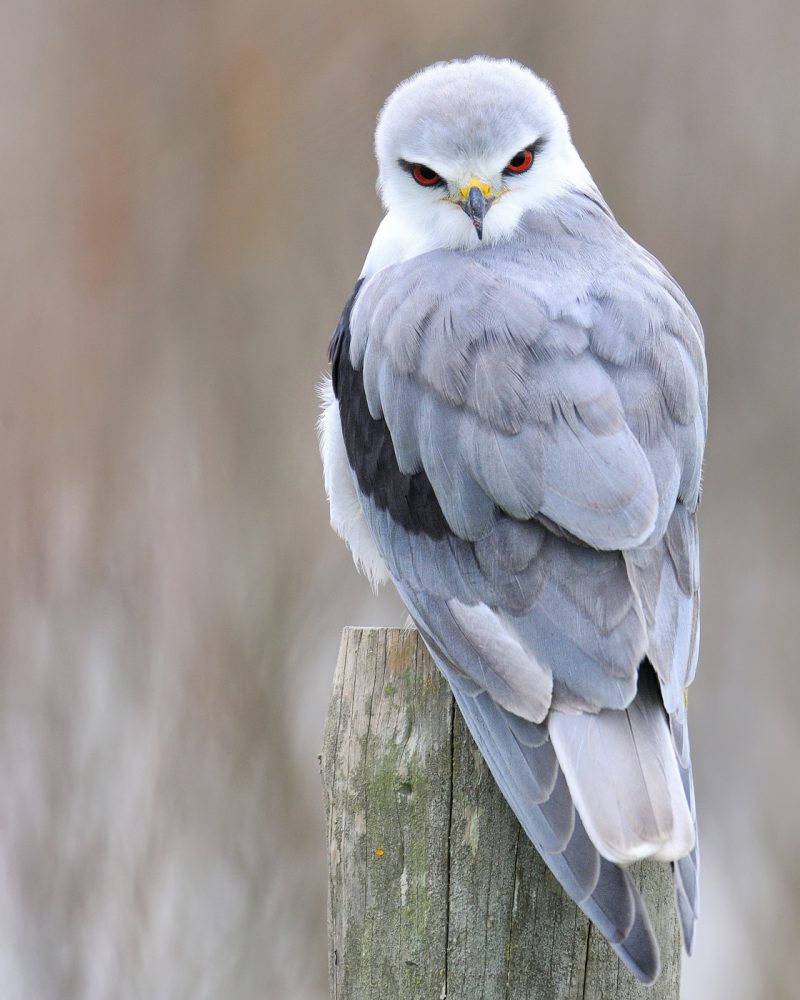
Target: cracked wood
(434, 891)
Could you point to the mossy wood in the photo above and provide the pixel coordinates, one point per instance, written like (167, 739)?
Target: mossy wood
(434, 890)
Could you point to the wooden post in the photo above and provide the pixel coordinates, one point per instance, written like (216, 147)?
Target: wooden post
(434, 890)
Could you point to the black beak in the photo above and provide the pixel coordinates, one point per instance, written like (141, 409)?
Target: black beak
(476, 207)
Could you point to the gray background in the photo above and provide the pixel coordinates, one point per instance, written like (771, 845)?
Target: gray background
(187, 197)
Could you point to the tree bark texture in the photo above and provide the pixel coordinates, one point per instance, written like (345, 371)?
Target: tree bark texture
(434, 890)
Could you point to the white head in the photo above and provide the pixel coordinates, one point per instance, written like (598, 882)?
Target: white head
(466, 147)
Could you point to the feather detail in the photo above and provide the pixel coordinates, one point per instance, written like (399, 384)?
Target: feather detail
(524, 424)
(622, 771)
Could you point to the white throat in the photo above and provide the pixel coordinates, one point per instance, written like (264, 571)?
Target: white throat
(413, 226)
(395, 241)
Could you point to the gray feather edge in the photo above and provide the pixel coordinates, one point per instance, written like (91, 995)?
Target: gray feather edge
(534, 786)
(555, 419)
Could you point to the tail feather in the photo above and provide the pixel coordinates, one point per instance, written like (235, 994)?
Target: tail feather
(685, 875)
(625, 778)
(639, 950)
(525, 763)
(582, 858)
(604, 891)
(542, 764)
(686, 870)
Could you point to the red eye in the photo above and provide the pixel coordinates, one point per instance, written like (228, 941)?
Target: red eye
(520, 163)
(424, 175)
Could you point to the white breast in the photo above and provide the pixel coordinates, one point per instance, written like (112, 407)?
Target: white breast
(347, 518)
(393, 243)
(395, 240)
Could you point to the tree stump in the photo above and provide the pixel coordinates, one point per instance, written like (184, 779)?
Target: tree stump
(434, 890)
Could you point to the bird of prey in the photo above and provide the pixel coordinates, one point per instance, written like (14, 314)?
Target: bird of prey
(513, 434)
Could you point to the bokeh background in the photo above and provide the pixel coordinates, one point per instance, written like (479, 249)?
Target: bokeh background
(187, 194)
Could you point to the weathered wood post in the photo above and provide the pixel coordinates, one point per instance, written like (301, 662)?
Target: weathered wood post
(434, 890)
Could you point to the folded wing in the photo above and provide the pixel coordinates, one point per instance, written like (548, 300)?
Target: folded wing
(527, 452)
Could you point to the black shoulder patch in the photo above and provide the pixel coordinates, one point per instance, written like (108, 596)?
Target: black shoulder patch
(341, 332)
(409, 500)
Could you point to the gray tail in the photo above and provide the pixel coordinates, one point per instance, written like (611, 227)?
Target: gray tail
(524, 764)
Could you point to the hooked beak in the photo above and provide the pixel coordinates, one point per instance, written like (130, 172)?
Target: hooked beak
(476, 203)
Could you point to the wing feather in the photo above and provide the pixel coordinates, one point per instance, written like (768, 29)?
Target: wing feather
(604, 891)
(526, 436)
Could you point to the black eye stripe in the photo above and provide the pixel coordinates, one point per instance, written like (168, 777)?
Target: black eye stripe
(427, 173)
(534, 148)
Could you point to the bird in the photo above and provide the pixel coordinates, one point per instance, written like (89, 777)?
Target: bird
(512, 433)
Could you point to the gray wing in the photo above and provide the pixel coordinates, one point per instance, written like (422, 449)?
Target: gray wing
(521, 757)
(552, 393)
(526, 426)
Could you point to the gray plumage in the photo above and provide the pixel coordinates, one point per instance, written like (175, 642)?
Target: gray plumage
(551, 389)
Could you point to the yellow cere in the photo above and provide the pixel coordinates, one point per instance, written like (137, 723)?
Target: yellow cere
(474, 182)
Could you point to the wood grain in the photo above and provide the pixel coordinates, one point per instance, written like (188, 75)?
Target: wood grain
(434, 890)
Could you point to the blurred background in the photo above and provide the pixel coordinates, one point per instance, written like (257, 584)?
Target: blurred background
(187, 198)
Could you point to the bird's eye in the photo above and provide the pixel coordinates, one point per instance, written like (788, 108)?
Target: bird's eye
(520, 163)
(424, 175)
